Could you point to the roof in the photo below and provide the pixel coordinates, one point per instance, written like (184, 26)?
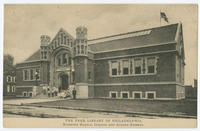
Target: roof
(158, 35)
(35, 56)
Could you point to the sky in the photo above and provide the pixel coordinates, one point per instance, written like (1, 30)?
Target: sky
(24, 24)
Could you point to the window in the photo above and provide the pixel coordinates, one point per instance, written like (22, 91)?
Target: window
(113, 94)
(89, 75)
(25, 94)
(13, 89)
(8, 79)
(14, 79)
(8, 88)
(11, 79)
(82, 49)
(42, 55)
(45, 54)
(74, 50)
(59, 61)
(59, 40)
(125, 95)
(85, 49)
(125, 67)
(137, 94)
(61, 36)
(31, 74)
(114, 65)
(64, 58)
(37, 72)
(151, 65)
(150, 94)
(138, 66)
(65, 40)
(78, 48)
(30, 94)
(26, 74)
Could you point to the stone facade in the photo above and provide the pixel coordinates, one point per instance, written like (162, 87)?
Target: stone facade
(147, 64)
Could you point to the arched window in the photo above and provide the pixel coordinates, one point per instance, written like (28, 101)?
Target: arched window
(59, 61)
(64, 57)
(82, 49)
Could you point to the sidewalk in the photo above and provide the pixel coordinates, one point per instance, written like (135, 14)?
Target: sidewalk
(28, 101)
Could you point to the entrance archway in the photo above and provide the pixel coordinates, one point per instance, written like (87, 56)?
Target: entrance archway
(64, 82)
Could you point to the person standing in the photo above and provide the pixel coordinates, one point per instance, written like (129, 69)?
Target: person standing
(48, 91)
(74, 93)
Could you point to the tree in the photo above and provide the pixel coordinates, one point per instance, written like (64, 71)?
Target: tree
(8, 63)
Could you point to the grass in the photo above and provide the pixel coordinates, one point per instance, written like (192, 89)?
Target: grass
(186, 107)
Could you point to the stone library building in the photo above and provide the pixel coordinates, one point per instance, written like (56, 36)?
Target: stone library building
(144, 64)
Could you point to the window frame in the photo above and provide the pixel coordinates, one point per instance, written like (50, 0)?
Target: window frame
(12, 88)
(122, 61)
(141, 59)
(8, 88)
(110, 94)
(29, 74)
(25, 92)
(121, 94)
(14, 79)
(148, 92)
(24, 74)
(111, 68)
(8, 79)
(28, 94)
(132, 67)
(133, 94)
(155, 65)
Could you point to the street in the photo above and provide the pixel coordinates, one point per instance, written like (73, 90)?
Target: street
(29, 111)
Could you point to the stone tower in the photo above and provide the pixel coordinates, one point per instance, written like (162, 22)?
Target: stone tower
(44, 40)
(81, 62)
(44, 57)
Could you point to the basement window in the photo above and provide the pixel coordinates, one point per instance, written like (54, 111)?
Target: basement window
(151, 95)
(137, 95)
(113, 94)
(125, 95)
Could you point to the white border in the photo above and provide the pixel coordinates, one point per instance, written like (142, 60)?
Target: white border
(91, 1)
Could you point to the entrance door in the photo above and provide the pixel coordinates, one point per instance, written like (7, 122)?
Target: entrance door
(64, 82)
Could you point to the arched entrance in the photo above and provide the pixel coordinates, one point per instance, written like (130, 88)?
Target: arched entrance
(64, 82)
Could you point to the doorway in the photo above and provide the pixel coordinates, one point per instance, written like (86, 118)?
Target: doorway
(64, 82)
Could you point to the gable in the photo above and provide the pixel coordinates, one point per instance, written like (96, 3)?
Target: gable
(58, 37)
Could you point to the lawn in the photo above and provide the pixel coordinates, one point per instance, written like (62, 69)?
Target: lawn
(186, 107)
